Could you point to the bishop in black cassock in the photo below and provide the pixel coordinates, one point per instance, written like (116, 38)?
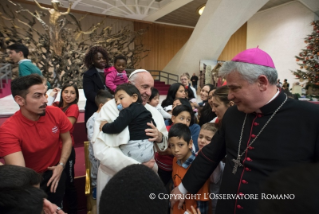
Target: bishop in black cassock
(291, 137)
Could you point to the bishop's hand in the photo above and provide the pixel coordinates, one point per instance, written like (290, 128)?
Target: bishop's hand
(177, 197)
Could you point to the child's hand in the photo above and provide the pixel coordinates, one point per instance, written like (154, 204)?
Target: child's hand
(54, 92)
(193, 211)
(102, 124)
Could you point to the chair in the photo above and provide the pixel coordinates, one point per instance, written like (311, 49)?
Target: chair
(90, 204)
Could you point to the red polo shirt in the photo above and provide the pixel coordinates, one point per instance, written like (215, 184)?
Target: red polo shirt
(38, 140)
(72, 111)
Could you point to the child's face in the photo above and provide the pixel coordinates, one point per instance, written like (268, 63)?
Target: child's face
(120, 65)
(204, 138)
(183, 117)
(180, 149)
(155, 101)
(121, 97)
(176, 103)
(180, 92)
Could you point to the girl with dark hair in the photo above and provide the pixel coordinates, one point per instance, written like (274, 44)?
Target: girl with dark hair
(96, 60)
(176, 90)
(220, 103)
(68, 104)
(205, 113)
(134, 115)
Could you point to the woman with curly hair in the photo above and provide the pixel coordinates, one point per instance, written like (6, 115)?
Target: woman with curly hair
(96, 60)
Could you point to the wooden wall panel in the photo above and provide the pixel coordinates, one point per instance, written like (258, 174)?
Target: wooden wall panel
(164, 41)
(235, 44)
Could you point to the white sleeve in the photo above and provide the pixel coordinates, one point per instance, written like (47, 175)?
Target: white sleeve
(163, 112)
(50, 100)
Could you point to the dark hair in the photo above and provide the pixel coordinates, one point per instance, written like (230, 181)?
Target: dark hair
(128, 192)
(185, 102)
(171, 94)
(76, 99)
(189, 91)
(20, 85)
(19, 47)
(222, 94)
(17, 191)
(89, 56)
(154, 93)
(119, 57)
(179, 109)
(130, 89)
(211, 87)
(21, 200)
(181, 131)
(12, 176)
(102, 96)
(206, 113)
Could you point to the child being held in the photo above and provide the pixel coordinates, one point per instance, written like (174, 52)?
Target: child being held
(180, 142)
(154, 101)
(134, 115)
(101, 98)
(206, 134)
(116, 75)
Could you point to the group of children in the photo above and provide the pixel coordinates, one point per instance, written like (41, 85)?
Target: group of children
(179, 156)
(173, 163)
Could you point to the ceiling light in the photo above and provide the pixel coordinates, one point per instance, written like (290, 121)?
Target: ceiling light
(201, 10)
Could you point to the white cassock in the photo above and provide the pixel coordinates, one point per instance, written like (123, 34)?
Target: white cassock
(106, 146)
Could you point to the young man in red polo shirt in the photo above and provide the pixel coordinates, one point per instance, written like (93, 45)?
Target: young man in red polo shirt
(31, 136)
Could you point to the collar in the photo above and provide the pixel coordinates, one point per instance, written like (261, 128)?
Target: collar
(188, 162)
(100, 70)
(24, 60)
(27, 121)
(274, 103)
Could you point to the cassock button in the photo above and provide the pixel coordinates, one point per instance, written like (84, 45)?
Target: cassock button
(244, 182)
(259, 115)
(239, 207)
(253, 136)
(248, 159)
(251, 148)
(247, 169)
(256, 124)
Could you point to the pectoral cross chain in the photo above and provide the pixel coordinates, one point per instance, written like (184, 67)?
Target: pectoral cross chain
(236, 164)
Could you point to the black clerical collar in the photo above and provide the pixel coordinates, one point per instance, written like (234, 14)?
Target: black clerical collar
(270, 107)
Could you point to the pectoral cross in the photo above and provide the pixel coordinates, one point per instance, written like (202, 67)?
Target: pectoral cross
(236, 164)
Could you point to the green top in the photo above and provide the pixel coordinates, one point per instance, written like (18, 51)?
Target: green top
(26, 67)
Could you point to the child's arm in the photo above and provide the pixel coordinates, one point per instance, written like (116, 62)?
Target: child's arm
(109, 81)
(119, 123)
(90, 127)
